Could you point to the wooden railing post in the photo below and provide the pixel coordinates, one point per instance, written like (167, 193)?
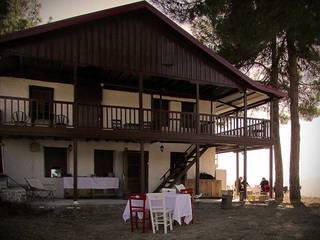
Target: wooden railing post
(197, 110)
(140, 102)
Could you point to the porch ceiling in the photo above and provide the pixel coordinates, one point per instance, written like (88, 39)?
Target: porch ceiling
(228, 99)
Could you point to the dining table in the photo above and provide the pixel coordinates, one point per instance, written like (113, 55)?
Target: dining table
(179, 203)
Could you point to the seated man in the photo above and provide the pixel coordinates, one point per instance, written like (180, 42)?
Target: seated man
(264, 185)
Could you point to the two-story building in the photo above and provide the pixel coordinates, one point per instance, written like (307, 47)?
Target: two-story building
(122, 92)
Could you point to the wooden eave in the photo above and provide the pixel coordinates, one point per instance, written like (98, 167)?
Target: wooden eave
(231, 72)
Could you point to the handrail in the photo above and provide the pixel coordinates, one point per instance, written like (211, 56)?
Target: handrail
(111, 117)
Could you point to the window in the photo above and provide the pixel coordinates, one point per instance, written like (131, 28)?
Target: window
(103, 163)
(55, 162)
(41, 106)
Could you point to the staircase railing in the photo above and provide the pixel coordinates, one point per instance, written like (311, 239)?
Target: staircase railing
(168, 175)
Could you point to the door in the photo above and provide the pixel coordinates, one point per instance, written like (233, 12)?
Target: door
(177, 163)
(187, 120)
(103, 163)
(160, 114)
(89, 108)
(55, 162)
(133, 171)
(1, 160)
(41, 107)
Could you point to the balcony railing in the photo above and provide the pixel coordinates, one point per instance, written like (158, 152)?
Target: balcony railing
(30, 112)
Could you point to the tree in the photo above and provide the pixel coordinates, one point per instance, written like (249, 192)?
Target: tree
(254, 34)
(17, 15)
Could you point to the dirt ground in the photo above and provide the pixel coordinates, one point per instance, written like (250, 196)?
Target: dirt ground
(248, 221)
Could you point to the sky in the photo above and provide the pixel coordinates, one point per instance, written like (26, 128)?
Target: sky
(258, 161)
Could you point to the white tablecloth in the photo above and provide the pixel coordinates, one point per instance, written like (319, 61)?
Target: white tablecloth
(179, 203)
(92, 182)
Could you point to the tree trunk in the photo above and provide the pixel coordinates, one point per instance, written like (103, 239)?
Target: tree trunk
(275, 124)
(295, 125)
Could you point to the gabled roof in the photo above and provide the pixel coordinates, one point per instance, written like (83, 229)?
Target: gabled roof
(138, 6)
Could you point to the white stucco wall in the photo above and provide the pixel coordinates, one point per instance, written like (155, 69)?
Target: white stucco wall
(21, 162)
(19, 87)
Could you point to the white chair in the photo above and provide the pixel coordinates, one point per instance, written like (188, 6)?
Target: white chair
(179, 187)
(172, 190)
(159, 213)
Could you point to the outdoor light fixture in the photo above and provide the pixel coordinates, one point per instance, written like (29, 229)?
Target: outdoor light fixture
(102, 84)
(161, 148)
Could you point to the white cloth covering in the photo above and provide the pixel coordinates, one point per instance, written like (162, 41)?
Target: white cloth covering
(92, 182)
(179, 203)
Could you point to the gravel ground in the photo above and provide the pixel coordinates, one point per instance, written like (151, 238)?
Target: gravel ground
(248, 221)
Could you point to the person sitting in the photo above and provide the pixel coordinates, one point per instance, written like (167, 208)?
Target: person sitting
(264, 185)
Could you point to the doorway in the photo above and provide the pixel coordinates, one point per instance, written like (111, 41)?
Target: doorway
(1, 160)
(133, 171)
(187, 120)
(160, 114)
(89, 109)
(41, 107)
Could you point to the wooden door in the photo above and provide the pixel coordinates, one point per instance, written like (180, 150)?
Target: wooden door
(55, 161)
(1, 160)
(160, 116)
(187, 119)
(89, 108)
(177, 163)
(133, 171)
(41, 107)
(103, 163)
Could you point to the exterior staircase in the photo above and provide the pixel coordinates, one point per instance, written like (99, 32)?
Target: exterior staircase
(169, 179)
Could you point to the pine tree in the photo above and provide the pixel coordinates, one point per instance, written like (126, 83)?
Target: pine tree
(17, 15)
(279, 38)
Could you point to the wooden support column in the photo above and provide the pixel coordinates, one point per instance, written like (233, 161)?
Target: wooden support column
(245, 126)
(75, 169)
(271, 150)
(140, 102)
(211, 119)
(245, 171)
(142, 169)
(75, 141)
(245, 113)
(197, 187)
(271, 170)
(197, 109)
(237, 172)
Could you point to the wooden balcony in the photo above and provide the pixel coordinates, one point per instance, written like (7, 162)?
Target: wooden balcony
(24, 113)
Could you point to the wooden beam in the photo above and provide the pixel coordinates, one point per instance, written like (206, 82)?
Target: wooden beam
(229, 104)
(245, 171)
(237, 171)
(197, 108)
(75, 170)
(75, 142)
(141, 102)
(197, 187)
(142, 169)
(245, 113)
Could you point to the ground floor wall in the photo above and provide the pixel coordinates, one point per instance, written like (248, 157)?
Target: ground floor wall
(24, 158)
